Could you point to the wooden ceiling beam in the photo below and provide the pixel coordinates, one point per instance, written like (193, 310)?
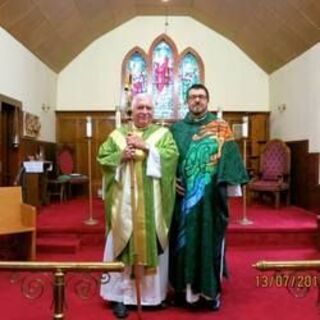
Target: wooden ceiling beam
(271, 32)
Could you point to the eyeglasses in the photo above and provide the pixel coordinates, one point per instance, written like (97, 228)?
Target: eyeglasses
(195, 96)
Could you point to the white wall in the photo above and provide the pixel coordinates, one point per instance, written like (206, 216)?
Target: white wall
(25, 78)
(297, 86)
(92, 80)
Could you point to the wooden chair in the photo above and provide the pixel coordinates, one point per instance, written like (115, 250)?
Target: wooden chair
(66, 167)
(59, 183)
(57, 187)
(274, 172)
(18, 219)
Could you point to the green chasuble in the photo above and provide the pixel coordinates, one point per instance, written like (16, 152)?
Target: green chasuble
(154, 196)
(209, 161)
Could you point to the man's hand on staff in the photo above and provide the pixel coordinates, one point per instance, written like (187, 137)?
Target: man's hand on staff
(133, 143)
(179, 187)
(136, 142)
(128, 153)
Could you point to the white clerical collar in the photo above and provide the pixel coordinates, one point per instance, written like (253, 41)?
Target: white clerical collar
(198, 119)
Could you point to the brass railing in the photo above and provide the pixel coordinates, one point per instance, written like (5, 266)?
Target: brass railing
(297, 276)
(305, 265)
(59, 270)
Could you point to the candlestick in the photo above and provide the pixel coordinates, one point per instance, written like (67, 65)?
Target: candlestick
(90, 221)
(118, 117)
(245, 135)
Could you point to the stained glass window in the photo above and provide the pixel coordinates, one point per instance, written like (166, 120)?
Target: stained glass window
(189, 74)
(137, 69)
(162, 81)
(164, 74)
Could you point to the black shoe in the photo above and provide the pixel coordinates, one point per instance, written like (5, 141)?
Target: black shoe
(179, 300)
(195, 306)
(120, 310)
(216, 303)
(163, 305)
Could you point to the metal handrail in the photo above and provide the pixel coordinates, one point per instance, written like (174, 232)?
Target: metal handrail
(297, 276)
(287, 265)
(59, 269)
(63, 266)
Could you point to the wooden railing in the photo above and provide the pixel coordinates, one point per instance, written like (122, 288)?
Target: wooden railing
(59, 270)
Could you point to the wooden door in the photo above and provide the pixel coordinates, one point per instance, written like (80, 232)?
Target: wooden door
(6, 133)
(10, 115)
(1, 146)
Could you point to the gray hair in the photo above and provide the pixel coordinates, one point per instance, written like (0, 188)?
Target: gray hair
(141, 97)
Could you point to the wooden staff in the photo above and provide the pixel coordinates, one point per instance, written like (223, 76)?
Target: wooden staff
(137, 267)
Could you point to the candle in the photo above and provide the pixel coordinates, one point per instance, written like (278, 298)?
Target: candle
(245, 127)
(128, 82)
(118, 117)
(219, 113)
(89, 127)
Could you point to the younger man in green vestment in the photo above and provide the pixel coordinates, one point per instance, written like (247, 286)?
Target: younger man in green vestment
(153, 155)
(209, 162)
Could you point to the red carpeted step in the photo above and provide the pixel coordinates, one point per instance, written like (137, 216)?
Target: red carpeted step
(281, 228)
(60, 257)
(58, 245)
(277, 239)
(86, 237)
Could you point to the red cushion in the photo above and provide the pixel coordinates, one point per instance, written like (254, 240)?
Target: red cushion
(65, 162)
(274, 163)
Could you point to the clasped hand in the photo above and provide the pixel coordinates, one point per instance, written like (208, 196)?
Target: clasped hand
(133, 143)
(180, 187)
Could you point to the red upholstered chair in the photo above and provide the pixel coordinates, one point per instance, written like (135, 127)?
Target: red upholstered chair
(58, 181)
(66, 167)
(274, 173)
(66, 176)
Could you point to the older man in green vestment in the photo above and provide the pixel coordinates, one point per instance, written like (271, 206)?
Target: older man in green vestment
(209, 162)
(153, 155)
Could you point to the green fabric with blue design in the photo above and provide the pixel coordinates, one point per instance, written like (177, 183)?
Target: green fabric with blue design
(207, 164)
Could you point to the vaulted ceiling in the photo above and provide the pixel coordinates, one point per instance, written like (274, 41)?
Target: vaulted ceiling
(270, 32)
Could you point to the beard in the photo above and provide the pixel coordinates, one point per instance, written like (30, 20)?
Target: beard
(198, 109)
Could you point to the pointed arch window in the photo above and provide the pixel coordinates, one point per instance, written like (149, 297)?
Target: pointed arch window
(163, 73)
(163, 59)
(135, 68)
(190, 72)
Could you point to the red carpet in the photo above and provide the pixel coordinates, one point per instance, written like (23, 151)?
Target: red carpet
(266, 217)
(70, 216)
(242, 299)
(286, 227)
